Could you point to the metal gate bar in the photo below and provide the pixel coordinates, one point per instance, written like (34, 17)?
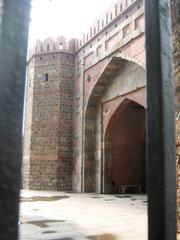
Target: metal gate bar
(161, 122)
(14, 21)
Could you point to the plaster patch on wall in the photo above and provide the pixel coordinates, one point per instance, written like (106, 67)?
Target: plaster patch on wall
(1, 12)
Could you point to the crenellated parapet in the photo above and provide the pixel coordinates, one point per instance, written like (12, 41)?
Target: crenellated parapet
(49, 45)
(100, 24)
(125, 30)
(121, 15)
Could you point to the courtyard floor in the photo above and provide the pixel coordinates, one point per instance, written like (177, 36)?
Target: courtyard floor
(70, 216)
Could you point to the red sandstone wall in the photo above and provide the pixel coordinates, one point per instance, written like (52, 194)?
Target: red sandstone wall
(126, 136)
(109, 107)
(121, 35)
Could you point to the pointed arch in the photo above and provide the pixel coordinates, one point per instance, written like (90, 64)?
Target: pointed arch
(124, 148)
(110, 85)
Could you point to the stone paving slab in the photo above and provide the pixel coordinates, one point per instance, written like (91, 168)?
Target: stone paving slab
(69, 216)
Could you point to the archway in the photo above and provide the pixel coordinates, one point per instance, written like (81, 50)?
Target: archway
(120, 78)
(125, 156)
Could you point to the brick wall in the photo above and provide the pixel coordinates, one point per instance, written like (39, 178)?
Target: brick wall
(50, 156)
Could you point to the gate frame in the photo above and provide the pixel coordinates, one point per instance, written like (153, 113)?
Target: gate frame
(14, 23)
(161, 122)
(14, 20)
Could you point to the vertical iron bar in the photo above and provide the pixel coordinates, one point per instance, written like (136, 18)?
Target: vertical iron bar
(14, 21)
(161, 122)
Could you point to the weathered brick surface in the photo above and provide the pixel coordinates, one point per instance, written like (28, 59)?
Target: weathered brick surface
(50, 175)
(49, 163)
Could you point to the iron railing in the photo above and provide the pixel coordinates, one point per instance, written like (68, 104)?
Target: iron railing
(14, 19)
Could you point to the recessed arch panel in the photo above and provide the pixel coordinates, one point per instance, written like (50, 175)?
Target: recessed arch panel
(124, 145)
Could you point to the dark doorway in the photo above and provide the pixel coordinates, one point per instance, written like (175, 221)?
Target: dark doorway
(125, 151)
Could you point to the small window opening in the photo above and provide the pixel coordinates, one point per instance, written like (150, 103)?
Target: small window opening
(102, 23)
(41, 49)
(46, 77)
(138, 6)
(53, 56)
(98, 25)
(126, 16)
(40, 58)
(94, 30)
(121, 7)
(106, 18)
(98, 39)
(90, 32)
(126, 3)
(116, 25)
(60, 46)
(107, 33)
(90, 45)
(48, 47)
(116, 10)
(111, 16)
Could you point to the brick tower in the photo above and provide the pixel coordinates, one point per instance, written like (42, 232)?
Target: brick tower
(48, 139)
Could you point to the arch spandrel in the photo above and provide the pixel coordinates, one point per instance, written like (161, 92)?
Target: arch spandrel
(109, 69)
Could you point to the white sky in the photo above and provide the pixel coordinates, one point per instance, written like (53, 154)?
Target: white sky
(52, 18)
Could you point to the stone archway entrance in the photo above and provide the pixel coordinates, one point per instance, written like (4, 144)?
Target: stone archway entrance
(125, 156)
(119, 80)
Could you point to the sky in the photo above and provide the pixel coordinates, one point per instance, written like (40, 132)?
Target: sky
(52, 18)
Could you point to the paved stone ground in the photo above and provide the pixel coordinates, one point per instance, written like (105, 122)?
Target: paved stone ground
(68, 216)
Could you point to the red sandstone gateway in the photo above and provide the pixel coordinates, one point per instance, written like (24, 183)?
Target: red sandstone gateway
(85, 108)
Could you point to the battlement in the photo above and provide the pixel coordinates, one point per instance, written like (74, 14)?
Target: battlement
(104, 20)
(49, 45)
(117, 11)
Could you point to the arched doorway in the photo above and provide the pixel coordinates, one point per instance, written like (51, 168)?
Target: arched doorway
(125, 144)
(120, 78)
